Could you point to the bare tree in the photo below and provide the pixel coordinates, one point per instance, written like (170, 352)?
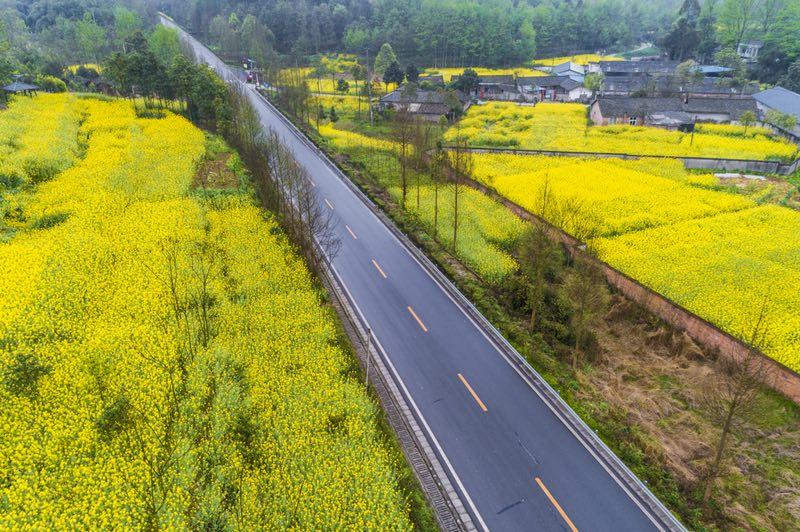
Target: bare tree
(585, 293)
(420, 141)
(402, 133)
(461, 164)
(731, 396)
(438, 162)
(283, 185)
(539, 256)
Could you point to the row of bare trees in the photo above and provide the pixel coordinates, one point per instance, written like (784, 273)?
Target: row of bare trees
(418, 154)
(283, 185)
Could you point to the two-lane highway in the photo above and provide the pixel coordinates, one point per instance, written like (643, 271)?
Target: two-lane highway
(516, 463)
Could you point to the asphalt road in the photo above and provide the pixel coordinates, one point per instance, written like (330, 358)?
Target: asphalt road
(516, 464)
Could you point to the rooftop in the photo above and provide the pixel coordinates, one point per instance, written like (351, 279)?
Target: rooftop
(780, 99)
(420, 97)
(18, 86)
(625, 105)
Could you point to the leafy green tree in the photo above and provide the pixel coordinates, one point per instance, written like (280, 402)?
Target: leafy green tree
(393, 74)
(412, 73)
(466, 82)
(706, 26)
(683, 37)
(384, 59)
(781, 120)
(737, 18)
(342, 86)
(126, 23)
(737, 77)
(791, 80)
(593, 81)
(163, 42)
(90, 38)
(748, 119)
(688, 74)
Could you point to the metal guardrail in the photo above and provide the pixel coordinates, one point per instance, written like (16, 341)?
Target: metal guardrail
(450, 516)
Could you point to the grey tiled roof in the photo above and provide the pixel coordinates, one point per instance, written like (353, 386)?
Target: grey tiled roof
(420, 96)
(624, 105)
(18, 86)
(780, 99)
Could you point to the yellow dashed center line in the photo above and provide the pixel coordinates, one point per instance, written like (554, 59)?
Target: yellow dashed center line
(381, 272)
(419, 321)
(558, 506)
(471, 391)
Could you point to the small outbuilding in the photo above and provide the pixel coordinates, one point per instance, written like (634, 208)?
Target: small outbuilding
(19, 87)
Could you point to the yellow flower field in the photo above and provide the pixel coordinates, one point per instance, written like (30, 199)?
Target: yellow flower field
(38, 139)
(563, 127)
(581, 59)
(448, 73)
(715, 253)
(621, 199)
(165, 359)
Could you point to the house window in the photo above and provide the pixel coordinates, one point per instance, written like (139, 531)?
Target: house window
(632, 121)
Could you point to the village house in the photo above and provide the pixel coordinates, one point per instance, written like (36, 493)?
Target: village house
(673, 112)
(426, 105)
(749, 50)
(783, 101)
(665, 85)
(629, 68)
(503, 87)
(434, 79)
(573, 70)
(552, 89)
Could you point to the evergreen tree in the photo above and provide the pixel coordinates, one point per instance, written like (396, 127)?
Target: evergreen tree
(683, 37)
(384, 58)
(412, 73)
(393, 74)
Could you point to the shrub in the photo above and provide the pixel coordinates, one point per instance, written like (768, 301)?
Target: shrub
(52, 84)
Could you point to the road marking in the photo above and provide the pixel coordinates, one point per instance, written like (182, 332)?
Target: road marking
(474, 395)
(384, 276)
(312, 182)
(351, 232)
(411, 310)
(555, 503)
(328, 203)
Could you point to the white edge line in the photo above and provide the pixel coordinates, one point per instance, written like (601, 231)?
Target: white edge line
(412, 402)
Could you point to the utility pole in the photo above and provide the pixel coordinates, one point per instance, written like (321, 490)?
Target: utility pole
(369, 91)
